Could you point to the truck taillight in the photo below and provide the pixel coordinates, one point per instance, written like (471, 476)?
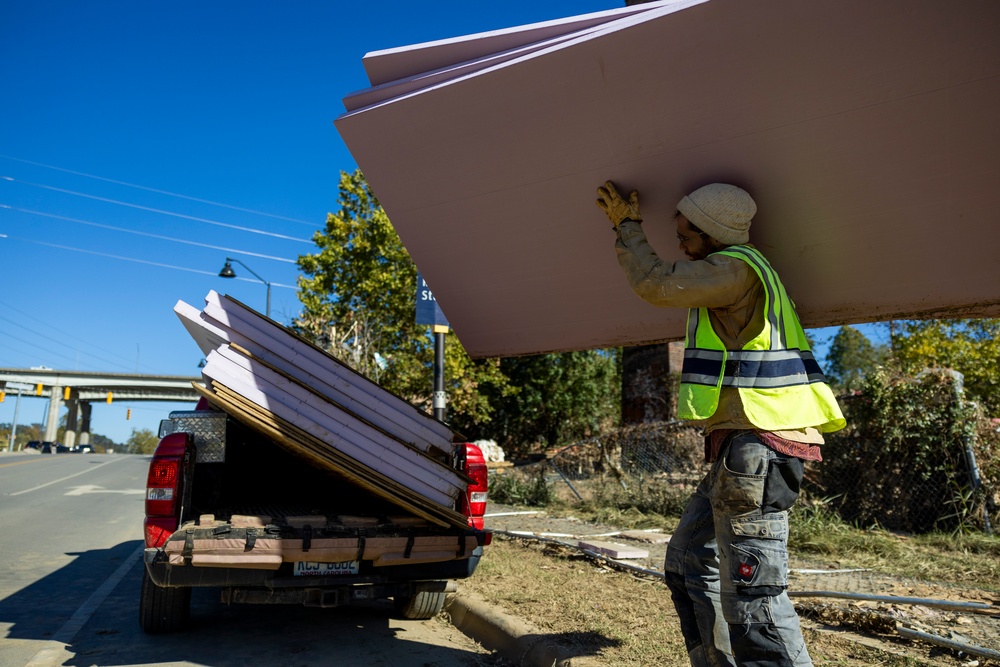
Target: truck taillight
(158, 530)
(163, 489)
(474, 505)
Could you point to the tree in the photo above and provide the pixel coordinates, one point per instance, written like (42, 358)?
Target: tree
(358, 289)
(851, 357)
(101, 443)
(969, 346)
(142, 441)
(25, 434)
(901, 461)
(556, 399)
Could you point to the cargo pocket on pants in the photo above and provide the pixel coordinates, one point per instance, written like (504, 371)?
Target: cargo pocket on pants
(758, 553)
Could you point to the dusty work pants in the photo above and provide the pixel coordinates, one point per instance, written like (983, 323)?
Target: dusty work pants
(727, 562)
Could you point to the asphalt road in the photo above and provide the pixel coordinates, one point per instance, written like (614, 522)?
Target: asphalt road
(70, 549)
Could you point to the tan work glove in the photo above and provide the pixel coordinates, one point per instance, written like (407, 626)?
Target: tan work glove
(617, 209)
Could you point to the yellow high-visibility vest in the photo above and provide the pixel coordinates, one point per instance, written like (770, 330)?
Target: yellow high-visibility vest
(779, 382)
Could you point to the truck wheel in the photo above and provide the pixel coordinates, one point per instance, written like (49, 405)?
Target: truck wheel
(420, 606)
(163, 609)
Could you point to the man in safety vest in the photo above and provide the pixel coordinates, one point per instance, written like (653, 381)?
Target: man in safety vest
(750, 379)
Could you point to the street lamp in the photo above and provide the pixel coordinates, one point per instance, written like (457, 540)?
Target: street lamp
(227, 272)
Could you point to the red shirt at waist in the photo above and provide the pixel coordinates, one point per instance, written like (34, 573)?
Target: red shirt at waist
(800, 450)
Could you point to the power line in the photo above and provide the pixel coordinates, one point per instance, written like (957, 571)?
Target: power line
(160, 192)
(132, 259)
(54, 329)
(57, 342)
(148, 234)
(156, 210)
(47, 351)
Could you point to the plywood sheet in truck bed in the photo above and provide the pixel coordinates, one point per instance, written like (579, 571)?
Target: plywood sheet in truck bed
(268, 553)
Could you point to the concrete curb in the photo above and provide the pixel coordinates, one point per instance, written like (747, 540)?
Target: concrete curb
(518, 641)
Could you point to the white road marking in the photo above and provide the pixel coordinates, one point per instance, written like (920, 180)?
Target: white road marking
(63, 479)
(93, 488)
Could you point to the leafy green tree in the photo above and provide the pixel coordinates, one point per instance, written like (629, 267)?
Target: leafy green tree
(101, 443)
(851, 357)
(358, 289)
(142, 441)
(557, 399)
(901, 461)
(25, 434)
(969, 346)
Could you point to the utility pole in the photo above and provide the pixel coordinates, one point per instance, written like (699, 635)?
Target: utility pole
(13, 427)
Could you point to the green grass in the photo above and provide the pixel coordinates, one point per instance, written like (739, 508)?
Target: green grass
(816, 530)
(611, 617)
(957, 558)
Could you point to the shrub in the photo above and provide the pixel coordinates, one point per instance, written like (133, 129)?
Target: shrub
(901, 463)
(527, 486)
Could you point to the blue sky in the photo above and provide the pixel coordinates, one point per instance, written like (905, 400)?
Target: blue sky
(223, 101)
(142, 143)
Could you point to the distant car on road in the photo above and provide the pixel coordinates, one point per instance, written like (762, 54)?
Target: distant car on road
(34, 444)
(62, 449)
(83, 449)
(47, 447)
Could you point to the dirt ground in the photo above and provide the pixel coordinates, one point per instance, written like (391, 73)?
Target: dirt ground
(838, 631)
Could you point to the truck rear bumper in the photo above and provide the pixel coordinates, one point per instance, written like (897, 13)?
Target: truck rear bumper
(334, 596)
(409, 577)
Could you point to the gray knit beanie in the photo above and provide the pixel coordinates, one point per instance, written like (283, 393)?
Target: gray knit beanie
(720, 210)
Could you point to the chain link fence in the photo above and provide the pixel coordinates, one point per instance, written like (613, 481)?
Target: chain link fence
(655, 467)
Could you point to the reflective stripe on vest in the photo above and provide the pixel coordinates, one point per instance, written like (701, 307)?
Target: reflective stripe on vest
(751, 368)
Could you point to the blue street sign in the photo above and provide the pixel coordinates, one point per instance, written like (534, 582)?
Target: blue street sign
(428, 310)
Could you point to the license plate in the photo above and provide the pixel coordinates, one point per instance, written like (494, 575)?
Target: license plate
(306, 568)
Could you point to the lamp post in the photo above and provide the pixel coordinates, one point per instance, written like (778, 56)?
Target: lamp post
(227, 272)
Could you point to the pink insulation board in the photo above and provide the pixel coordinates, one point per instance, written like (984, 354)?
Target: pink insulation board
(284, 375)
(867, 133)
(224, 320)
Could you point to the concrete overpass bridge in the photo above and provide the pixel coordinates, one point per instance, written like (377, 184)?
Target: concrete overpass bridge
(78, 390)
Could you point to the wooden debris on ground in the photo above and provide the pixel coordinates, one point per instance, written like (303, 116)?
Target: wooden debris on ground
(614, 550)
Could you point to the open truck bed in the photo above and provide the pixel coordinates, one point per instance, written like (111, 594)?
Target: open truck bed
(299, 481)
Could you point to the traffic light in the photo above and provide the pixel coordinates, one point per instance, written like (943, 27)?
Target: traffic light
(109, 398)
(66, 393)
(128, 414)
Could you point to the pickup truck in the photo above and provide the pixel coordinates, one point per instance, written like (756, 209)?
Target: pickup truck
(229, 508)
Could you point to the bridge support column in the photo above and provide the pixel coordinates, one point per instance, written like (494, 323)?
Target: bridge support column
(73, 405)
(52, 417)
(85, 408)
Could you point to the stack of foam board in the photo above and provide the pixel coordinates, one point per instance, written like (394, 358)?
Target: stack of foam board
(859, 127)
(292, 391)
